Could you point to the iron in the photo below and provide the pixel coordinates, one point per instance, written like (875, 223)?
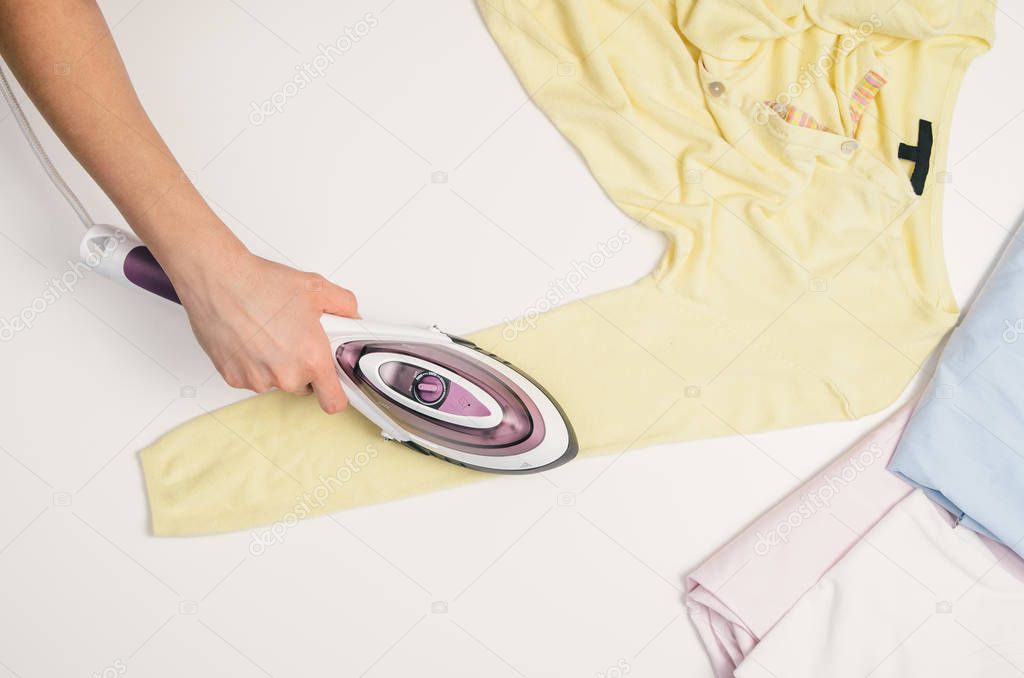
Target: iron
(433, 392)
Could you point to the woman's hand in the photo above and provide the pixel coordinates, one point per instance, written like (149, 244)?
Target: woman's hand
(259, 321)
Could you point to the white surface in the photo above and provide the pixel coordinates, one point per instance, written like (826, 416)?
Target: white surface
(574, 573)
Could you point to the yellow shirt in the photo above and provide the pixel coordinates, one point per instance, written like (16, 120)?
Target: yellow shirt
(803, 282)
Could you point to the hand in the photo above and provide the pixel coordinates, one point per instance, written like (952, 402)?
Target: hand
(259, 321)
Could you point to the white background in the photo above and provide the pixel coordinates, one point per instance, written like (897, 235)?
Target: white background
(496, 579)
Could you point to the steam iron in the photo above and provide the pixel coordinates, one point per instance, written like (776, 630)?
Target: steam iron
(433, 392)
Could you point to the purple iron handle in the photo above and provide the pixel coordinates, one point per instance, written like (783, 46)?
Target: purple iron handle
(142, 269)
(120, 256)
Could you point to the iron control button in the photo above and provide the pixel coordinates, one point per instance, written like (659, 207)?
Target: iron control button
(428, 388)
(716, 89)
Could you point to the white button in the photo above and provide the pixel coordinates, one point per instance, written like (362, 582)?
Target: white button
(716, 89)
(849, 147)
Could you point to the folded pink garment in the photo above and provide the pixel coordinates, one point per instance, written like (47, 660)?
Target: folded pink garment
(736, 596)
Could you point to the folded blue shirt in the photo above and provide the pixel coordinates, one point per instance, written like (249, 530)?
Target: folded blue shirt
(964, 445)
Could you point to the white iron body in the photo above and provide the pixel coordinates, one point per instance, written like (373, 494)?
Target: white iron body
(557, 445)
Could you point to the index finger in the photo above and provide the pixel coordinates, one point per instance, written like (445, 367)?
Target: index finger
(327, 387)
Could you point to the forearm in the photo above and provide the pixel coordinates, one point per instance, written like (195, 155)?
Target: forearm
(65, 58)
(259, 321)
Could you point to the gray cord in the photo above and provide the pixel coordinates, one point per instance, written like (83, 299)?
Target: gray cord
(40, 152)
